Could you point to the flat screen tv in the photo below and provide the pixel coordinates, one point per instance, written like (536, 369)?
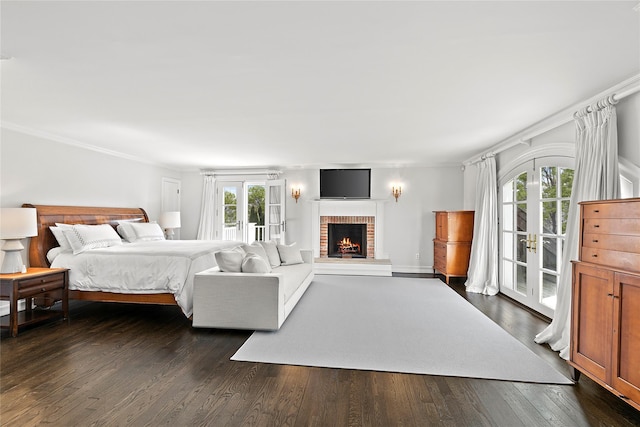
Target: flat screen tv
(345, 183)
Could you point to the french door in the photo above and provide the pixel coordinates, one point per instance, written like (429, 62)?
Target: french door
(251, 210)
(231, 220)
(535, 206)
(275, 196)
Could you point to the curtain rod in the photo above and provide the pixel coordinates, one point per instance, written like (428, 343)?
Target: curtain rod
(618, 92)
(227, 172)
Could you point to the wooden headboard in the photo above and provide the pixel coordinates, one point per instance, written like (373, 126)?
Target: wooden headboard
(48, 216)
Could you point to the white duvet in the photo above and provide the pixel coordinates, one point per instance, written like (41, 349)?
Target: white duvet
(143, 267)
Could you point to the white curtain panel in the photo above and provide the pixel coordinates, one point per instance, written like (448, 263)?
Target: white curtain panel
(207, 227)
(483, 264)
(596, 177)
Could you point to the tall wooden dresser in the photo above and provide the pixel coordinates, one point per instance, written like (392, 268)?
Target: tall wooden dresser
(605, 308)
(452, 244)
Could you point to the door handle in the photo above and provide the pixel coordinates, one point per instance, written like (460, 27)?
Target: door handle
(532, 243)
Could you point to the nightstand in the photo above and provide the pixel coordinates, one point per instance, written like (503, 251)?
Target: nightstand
(46, 285)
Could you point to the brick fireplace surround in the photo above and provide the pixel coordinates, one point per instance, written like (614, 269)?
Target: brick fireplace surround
(370, 221)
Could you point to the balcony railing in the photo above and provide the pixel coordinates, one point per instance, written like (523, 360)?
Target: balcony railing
(254, 232)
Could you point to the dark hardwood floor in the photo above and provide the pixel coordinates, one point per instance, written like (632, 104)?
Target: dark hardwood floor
(121, 364)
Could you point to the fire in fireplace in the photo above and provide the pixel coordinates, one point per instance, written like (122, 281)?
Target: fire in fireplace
(347, 240)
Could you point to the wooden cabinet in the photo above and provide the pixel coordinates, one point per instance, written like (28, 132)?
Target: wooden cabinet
(44, 285)
(452, 244)
(605, 307)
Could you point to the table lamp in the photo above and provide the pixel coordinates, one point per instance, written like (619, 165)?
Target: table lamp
(168, 221)
(15, 224)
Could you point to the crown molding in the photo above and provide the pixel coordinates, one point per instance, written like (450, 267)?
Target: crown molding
(69, 141)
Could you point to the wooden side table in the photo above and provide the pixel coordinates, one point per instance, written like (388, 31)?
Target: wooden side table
(46, 284)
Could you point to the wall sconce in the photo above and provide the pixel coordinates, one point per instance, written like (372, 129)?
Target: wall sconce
(168, 221)
(16, 224)
(295, 193)
(396, 190)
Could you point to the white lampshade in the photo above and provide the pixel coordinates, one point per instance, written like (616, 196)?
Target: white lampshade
(18, 223)
(169, 220)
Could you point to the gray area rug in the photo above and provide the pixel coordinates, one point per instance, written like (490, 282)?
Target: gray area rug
(406, 325)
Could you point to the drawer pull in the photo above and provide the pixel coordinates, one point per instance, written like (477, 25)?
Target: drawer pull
(594, 255)
(596, 225)
(596, 210)
(595, 241)
(43, 289)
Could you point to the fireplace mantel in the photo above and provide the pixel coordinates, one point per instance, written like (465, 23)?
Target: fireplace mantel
(362, 208)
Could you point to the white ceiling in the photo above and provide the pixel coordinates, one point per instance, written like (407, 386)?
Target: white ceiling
(211, 84)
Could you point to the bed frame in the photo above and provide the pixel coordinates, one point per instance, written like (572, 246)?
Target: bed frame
(48, 215)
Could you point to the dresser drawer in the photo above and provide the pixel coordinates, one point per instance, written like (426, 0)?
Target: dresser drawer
(439, 256)
(623, 260)
(440, 265)
(611, 210)
(38, 285)
(611, 226)
(439, 249)
(612, 242)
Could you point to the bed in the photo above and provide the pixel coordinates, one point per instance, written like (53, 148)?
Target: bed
(158, 272)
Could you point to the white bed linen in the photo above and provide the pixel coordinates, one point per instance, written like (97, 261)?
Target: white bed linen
(143, 267)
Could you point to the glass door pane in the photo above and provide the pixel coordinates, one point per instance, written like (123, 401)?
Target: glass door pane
(231, 210)
(555, 191)
(514, 227)
(255, 212)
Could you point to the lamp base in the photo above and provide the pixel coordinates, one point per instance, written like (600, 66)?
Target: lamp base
(12, 262)
(169, 233)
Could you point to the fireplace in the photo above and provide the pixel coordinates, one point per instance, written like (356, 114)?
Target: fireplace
(375, 261)
(347, 240)
(358, 232)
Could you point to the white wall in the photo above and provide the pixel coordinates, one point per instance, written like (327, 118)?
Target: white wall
(191, 202)
(628, 111)
(39, 171)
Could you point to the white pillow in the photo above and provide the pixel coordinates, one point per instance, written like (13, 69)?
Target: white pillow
(83, 237)
(54, 252)
(62, 240)
(257, 249)
(125, 230)
(290, 254)
(253, 263)
(230, 260)
(272, 252)
(147, 231)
